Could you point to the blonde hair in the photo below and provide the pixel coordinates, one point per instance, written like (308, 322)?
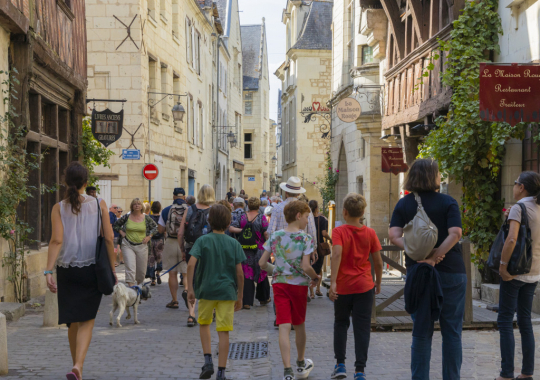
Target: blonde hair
(134, 202)
(147, 208)
(355, 204)
(226, 204)
(206, 195)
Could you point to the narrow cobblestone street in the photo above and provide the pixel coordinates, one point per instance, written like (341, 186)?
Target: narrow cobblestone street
(163, 347)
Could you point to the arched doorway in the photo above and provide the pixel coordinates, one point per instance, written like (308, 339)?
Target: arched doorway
(342, 186)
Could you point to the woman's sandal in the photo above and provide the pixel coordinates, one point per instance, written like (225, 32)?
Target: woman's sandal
(318, 293)
(153, 283)
(191, 321)
(184, 296)
(312, 296)
(247, 307)
(172, 305)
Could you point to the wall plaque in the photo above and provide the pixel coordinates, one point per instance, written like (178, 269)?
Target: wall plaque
(510, 93)
(107, 125)
(392, 161)
(348, 110)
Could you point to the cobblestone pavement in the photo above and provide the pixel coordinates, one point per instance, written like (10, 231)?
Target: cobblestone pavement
(163, 347)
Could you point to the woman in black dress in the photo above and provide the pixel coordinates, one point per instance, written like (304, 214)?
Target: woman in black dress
(321, 225)
(72, 251)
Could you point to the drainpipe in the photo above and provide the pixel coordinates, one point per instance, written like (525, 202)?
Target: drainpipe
(216, 165)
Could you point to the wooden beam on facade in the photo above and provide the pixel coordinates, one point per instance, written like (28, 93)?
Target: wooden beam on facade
(418, 21)
(396, 26)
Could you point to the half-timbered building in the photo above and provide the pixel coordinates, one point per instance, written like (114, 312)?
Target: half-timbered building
(45, 41)
(411, 101)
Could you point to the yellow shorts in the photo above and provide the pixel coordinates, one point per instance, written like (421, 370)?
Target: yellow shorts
(224, 314)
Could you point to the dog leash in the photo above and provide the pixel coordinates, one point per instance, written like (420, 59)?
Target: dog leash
(161, 275)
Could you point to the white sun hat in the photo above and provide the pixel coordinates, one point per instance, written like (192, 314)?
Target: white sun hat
(293, 186)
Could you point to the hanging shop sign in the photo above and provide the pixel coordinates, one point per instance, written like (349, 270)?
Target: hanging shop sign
(348, 110)
(510, 93)
(107, 125)
(392, 161)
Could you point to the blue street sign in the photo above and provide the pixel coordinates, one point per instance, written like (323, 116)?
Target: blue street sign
(251, 179)
(131, 154)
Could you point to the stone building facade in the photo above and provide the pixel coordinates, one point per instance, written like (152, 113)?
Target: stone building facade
(171, 51)
(306, 77)
(45, 42)
(229, 109)
(256, 126)
(360, 33)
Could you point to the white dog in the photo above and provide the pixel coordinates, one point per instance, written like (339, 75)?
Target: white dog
(124, 298)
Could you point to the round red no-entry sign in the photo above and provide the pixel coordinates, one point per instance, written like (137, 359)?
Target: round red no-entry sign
(150, 172)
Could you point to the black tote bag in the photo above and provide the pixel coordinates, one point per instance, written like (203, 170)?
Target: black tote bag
(521, 260)
(104, 273)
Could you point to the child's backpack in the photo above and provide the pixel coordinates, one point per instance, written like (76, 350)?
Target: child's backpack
(176, 213)
(197, 224)
(247, 238)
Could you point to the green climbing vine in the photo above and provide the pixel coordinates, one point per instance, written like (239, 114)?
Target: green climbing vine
(327, 184)
(15, 166)
(467, 148)
(94, 154)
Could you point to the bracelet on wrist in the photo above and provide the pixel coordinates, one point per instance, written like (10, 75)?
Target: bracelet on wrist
(47, 272)
(503, 263)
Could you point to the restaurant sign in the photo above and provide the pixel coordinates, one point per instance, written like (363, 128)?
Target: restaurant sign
(107, 125)
(348, 110)
(392, 161)
(510, 93)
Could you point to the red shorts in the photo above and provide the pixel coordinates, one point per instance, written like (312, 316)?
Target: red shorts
(291, 303)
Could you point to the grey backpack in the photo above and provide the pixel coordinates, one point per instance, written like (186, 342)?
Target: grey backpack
(420, 234)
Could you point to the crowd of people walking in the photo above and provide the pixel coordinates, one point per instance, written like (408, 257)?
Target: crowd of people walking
(227, 253)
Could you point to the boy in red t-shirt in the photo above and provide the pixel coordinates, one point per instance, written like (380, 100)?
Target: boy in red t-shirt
(352, 288)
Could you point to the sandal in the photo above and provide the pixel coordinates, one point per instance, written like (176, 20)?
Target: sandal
(172, 305)
(266, 302)
(312, 296)
(191, 321)
(153, 283)
(121, 263)
(184, 296)
(309, 299)
(247, 307)
(318, 293)
(159, 280)
(116, 264)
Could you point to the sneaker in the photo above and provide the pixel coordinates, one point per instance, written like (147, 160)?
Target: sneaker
(288, 377)
(207, 371)
(360, 376)
(303, 372)
(222, 377)
(340, 372)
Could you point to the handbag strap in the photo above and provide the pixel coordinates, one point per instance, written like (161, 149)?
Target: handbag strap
(100, 217)
(319, 230)
(418, 199)
(524, 215)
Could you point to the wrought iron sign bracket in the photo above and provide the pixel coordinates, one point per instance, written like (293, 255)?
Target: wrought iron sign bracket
(152, 103)
(371, 97)
(310, 114)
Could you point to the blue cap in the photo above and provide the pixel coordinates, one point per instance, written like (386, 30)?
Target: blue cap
(179, 191)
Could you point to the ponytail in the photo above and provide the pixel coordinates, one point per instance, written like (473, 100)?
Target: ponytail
(76, 177)
(531, 182)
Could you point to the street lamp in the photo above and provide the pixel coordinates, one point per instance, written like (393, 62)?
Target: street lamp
(274, 158)
(178, 112)
(231, 139)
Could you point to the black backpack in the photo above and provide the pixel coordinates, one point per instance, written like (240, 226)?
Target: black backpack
(196, 223)
(247, 238)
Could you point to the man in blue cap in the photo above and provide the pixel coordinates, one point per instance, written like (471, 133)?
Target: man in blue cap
(169, 222)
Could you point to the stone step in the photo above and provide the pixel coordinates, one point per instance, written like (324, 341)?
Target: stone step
(12, 310)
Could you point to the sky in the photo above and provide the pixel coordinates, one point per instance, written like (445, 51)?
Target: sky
(252, 12)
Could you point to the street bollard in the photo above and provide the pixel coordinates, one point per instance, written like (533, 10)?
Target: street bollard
(50, 316)
(3, 346)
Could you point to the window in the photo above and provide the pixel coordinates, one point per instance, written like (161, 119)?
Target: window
(191, 137)
(152, 83)
(197, 52)
(240, 78)
(189, 55)
(165, 107)
(292, 131)
(265, 115)
(248, 145)
(152, 8)
(360, 185)
(362, 150)
(367, 54)
(248, 103)
(201, 125)
(175, 26)
(531, 153)
(163, 9)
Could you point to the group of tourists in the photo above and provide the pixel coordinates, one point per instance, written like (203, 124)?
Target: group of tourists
(226, 251)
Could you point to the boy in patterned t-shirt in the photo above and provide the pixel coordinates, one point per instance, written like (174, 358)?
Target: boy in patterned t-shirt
(292, 273)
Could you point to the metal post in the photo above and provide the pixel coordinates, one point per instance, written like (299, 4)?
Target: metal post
(150, 192)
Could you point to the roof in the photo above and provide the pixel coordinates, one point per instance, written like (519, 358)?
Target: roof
(253, 43)
(204, 3)
(224, 7)
(316, 30)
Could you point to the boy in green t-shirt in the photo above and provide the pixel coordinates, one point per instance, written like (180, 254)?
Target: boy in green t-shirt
(219, 285)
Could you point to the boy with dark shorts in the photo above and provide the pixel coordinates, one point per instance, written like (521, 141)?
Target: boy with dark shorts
(291, 277)
(352, 288)
(219, 285)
